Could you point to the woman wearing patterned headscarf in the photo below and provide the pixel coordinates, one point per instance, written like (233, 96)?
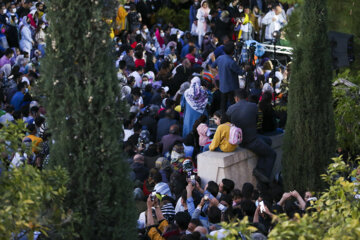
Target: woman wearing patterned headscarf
(193, 104)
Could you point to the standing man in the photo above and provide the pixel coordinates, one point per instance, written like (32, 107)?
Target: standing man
(229, 71)
(193, 10)
(243, 115)
(274, 20)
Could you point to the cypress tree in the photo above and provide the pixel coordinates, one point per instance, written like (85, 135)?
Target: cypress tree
(85, 117)
(309, 137)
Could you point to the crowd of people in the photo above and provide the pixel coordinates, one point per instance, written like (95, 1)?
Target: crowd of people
(187, 91)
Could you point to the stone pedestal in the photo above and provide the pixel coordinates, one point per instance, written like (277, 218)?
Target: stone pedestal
(237, 166)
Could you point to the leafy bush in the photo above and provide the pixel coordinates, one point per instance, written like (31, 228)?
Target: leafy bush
(337, 211)
(30, 200)
(179, 17)
(347, 115)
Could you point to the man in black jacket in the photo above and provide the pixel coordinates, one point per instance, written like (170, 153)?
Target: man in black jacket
(243, 115)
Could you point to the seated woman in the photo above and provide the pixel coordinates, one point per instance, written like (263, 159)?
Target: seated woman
(221, 138)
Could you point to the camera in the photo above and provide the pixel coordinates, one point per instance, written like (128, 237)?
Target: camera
(252, 47)
(152, 196)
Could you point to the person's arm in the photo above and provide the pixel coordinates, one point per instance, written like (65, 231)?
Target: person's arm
(190, 200)
(283, 199)
(158, 211)
(199, 188)
(155, 233)
(256, 215)
(197, 211)
(149, 216)
(267, 211)
(300, 200)
(216, 140)
(267, 19)
(216, 203)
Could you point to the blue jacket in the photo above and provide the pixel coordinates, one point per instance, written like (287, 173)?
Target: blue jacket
(229, 71)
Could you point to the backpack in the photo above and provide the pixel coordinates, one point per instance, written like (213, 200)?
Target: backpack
(235, 136)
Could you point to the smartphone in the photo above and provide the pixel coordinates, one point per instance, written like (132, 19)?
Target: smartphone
(206, 197)
(262, 206)
(192, 178)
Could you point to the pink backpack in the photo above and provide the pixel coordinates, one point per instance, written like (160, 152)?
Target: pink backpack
(235, 136)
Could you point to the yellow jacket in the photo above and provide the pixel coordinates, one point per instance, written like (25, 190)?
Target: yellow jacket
(155, 233)
(120, 19)
(221, 139)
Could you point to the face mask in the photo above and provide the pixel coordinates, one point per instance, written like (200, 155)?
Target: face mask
(43, 26)
(241, 10)
(138, 32)
(162, 34)
(178, 36)
(13, 10)
(153, 49)
(4, 11)
(117, 49)
(119, 43)
(146, 30)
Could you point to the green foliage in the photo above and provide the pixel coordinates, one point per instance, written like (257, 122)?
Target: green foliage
(309, 140)
(337, 211)
(336, 217)
(236, 227)
(11, 140)
(179, 17)
(31, 200)
(347, 115)
(84, 115)
(343, 17)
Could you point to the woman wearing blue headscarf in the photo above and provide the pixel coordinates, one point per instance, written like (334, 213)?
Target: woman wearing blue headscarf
(193, 104)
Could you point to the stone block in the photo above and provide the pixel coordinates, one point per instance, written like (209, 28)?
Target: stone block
(237, 166)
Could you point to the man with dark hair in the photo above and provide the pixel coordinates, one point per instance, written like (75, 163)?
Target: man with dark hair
(243, 115)
(228, 74)
(226, 186)
(129, 58)
(5, 59)
(18, 97)
(137, 75)
(185, 49)
(138, 166)
(164, 124)
(168, 140)
(192, 58)
(8, 116)
(24, 9)
(213, 188)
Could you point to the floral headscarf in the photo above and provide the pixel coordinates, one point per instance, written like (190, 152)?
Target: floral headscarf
(196, 96)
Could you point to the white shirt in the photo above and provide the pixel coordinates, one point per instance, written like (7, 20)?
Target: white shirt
(272, 26)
